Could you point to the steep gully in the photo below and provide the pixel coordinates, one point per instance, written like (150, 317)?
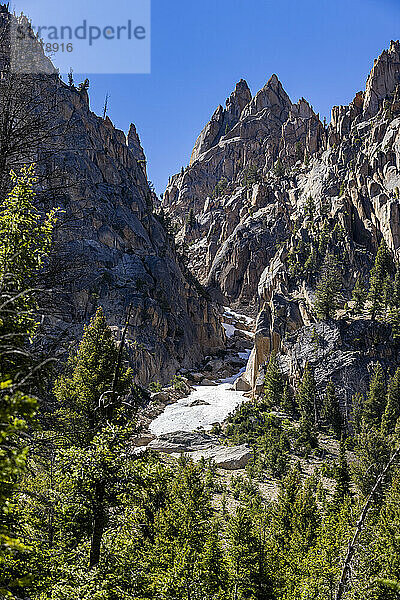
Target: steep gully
(214, 398)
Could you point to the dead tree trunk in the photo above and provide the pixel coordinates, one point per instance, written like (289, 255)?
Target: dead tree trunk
(359, 527)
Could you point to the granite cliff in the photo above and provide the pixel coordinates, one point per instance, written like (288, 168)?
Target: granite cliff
(111, 247)
(264, 193)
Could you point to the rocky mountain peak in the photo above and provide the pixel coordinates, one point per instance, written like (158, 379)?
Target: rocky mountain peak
(273, 97)
(239, 98)
(302, 109)
(383, 79)
(223, 120)
(135, 147)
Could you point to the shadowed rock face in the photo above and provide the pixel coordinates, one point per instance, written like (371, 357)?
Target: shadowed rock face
(383, 80)
(222, 120)
(111, 249)
(250, 190)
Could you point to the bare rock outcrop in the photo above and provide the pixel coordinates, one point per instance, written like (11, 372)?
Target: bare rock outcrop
(222, 120)
(278, 192)
(383, 79)
(111, 248)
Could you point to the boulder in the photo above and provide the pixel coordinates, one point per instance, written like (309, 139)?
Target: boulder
(196, 377)
(208, 382)
(231, 458)
(182, 441)
(143, 440)
(200, 402)
(241, 385)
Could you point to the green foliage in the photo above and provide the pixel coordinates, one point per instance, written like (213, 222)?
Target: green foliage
(288, 404)
(16, 410)
(250, 176)
(331, 411)
(25, 242)
(220, 188)
(307, 437)
(191, 219)
(383, 267)
(86, 395)
(392, 410)
(307, 255)
(275, 448)
(373, 450)
(394, 307)
(25, 238)
(273, 383)
(328, 288)
(279, 169)
(181, 532)
(247, 552)
(155, 386)
(307, 395)
(375, 402)
(299, 152)
(359, 295)
(178, 383)
(309, 209)
(342, 477)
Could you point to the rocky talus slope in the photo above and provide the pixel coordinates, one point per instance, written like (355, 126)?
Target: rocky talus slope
(268, 191)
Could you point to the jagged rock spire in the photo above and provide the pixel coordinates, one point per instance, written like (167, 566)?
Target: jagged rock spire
(236, 102)
(383, 79)
(222, 120)
(273, 97)
(135, 146)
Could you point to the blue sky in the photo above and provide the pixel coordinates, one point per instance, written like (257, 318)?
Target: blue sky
(322, 50)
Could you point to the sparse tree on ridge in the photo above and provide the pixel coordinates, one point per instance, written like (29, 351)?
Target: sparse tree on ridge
(375, 402)
(383, 267)
(328, 288)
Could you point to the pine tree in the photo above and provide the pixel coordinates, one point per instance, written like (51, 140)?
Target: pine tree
(284, 509)
(374, 405)
(279, 169)
(242, 553)
(392, 410)
(394, 320)
(331, 410)
(328, 288)
(359, 296)
(394, 313)
(288, 404)
(214, 566)
(85, 393)
(307, 396)
(387, 297)
(181, 531)
(273, 382)
(191, 219)
(357, 410)
(307, 437)
(342, 476)
(25, 240)
(307, 518)
(383, 266)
